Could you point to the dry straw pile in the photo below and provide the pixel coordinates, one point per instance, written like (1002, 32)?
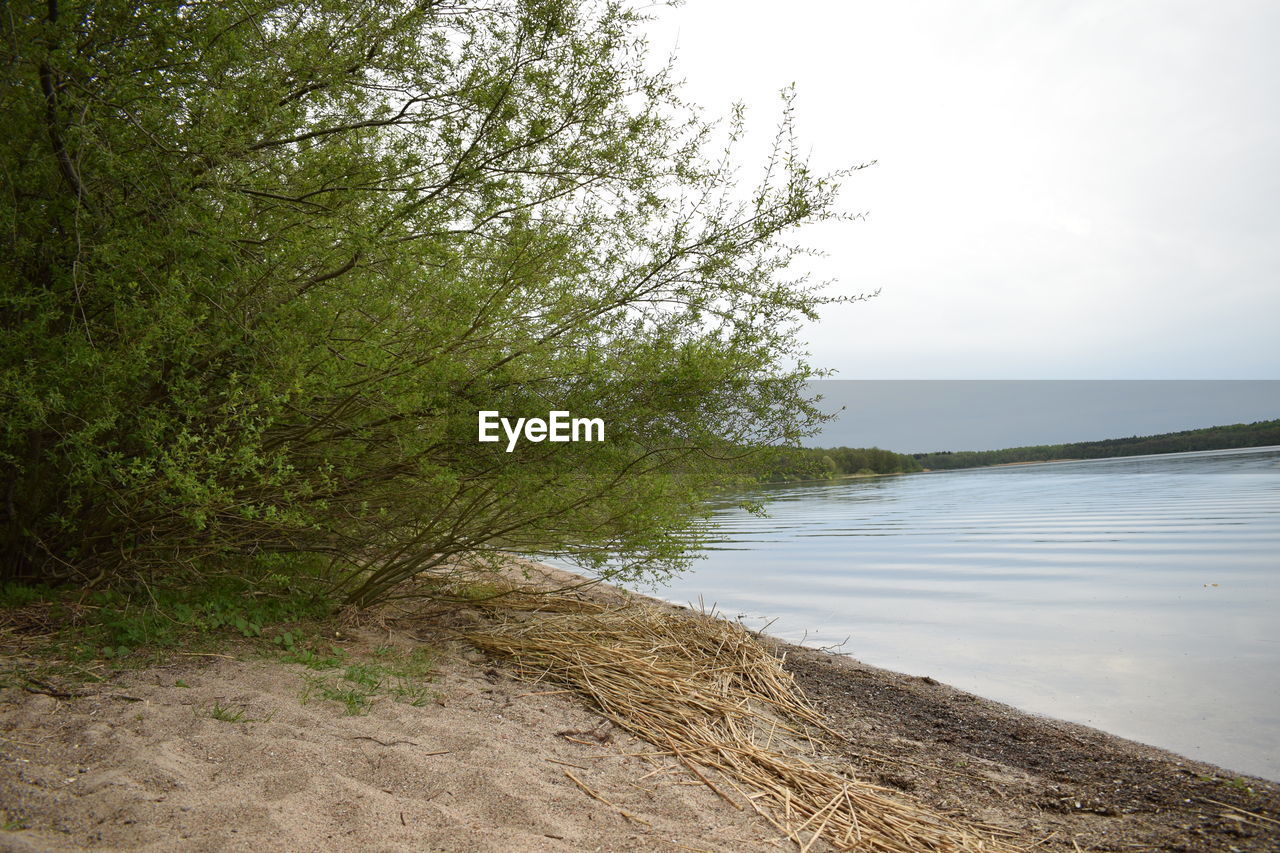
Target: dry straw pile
(707, 692)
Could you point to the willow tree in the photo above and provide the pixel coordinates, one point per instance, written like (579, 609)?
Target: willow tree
(265, 262)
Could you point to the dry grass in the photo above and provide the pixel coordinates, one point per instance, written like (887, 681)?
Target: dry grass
(708, 693)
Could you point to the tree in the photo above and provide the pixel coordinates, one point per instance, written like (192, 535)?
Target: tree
(267, 260)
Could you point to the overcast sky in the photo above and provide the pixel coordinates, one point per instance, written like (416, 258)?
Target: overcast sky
(918, 416)
(1064, 190)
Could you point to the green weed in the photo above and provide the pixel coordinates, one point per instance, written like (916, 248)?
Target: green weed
(355, 698)
(368, 676)
(405, 677)
(80, 632)
(69, 632)
(1238, 783)
(226, 713)
(229, 714)
(20, 595)
(313, 658)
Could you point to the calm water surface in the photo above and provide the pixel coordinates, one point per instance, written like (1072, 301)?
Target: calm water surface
(1139, 595)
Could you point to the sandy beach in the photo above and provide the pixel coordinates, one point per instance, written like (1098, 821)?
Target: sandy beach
(487, 762)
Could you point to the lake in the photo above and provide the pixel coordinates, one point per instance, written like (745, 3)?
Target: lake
(1139, 595)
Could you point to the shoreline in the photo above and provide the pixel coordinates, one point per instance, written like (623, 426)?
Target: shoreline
(761, 485)
(139, 762)
(1057, 782)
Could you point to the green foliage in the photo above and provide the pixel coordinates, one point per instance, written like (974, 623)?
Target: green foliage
(1236, 783)
(403, 675)
(226, 713)
(315, 658)
(795, 464)
(266, 261)
(230, 714)
(1256, 434)
(134, 625)
(159, 618)
(20, 595)
(354, 698)
(12, 821)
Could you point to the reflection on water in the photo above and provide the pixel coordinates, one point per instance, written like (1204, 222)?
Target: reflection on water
(1139, 595)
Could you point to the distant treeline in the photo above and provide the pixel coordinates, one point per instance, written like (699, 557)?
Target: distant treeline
(793, 464)
(1257, 434)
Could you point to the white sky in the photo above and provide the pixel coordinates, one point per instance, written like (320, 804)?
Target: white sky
(919, 416)
(1064, 190)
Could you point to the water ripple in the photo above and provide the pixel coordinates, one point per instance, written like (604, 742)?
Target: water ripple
(1128, 594)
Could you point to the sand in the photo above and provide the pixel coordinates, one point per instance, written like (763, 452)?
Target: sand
(140, 764)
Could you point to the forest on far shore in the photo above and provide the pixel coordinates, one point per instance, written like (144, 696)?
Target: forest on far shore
(795, 464)
(1256, 434)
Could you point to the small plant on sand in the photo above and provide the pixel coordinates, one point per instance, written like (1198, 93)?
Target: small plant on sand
(226, 713)
(412, 672)
(1238, 783)
(414, 694)
(355, 698)
(313, 658)
(404, 676)
(365, 675)
(10, 822)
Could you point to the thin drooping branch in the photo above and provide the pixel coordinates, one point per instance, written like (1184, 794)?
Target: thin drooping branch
(48, 87)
